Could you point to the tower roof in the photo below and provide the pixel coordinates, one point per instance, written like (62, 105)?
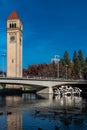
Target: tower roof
(13, 15)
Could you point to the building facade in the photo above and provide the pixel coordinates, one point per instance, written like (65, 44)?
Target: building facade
(14, 45)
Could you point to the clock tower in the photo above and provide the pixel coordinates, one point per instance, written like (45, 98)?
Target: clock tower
(14, 46)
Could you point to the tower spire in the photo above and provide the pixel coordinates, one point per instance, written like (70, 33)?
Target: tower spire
(13, 15)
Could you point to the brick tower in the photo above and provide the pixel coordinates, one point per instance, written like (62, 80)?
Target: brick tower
(14, 46)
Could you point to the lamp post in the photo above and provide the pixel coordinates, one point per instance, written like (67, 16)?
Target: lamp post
(3, 55)
(58, 67)
(57, 59)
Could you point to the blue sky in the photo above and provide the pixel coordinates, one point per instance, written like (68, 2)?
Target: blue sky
(49, 28)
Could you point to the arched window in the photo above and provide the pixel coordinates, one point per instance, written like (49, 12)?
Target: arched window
(10, 25)
(15, 25)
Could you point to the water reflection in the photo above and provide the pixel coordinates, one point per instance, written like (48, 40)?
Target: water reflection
(43, 112)
(13, 100)
(69, 101)
(14, 121)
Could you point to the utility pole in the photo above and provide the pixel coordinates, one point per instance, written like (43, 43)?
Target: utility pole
(58, 67)
(56, 60)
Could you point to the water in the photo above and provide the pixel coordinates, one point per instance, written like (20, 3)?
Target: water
(43, 112)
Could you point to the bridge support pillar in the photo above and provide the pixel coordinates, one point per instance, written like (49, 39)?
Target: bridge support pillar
(48, 90)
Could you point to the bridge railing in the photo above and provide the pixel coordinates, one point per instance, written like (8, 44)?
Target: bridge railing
(43, 79)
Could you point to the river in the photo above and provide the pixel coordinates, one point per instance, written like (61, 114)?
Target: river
(43, 112)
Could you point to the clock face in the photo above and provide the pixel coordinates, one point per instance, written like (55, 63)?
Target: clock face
(12, 38)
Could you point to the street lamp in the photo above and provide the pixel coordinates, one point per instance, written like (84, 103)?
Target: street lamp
(3, 55)
(56, 60)
(66, 70)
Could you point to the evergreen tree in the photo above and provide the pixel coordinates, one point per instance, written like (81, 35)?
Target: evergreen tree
(66, 59)
(86, 61)
(62, 68)
(74, 57)
(77, 67)
(85, 69)
(81, 59)
(67, 64)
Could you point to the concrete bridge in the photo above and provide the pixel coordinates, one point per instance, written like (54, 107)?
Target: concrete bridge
(44, 85)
